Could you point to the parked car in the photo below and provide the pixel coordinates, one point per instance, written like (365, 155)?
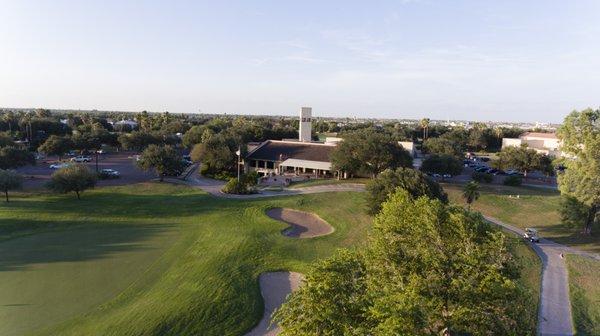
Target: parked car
(59, 165)
(447, 176)
(531, 235)
(109, 173)
(81, 158)
(512, 172)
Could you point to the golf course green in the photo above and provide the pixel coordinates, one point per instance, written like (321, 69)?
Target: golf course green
(153, 259)
(161, 259)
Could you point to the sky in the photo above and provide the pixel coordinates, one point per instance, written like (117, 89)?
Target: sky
(475, 60)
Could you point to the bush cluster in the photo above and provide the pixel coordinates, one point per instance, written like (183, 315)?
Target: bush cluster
(513, 180)
(482, 177)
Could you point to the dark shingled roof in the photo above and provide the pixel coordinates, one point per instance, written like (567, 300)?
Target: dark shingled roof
(279, 151)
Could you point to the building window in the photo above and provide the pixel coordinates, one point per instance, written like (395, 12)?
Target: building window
(270, 165)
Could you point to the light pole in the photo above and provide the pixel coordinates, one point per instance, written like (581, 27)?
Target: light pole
(239, 154)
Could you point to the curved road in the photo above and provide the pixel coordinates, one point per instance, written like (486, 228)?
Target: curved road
(554, 316)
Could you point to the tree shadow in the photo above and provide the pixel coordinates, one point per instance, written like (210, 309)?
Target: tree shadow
(76, 244)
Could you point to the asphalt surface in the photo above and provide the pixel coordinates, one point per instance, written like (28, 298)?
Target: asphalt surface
(554, 316)
(36, 176)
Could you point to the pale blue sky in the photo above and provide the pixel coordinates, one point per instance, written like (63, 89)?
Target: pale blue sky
(477, 60)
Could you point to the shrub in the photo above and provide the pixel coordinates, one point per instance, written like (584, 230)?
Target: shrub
(240, 187)
(514, 181)
(483, 177)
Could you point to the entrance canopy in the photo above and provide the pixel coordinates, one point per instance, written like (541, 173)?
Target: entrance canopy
(306, 164)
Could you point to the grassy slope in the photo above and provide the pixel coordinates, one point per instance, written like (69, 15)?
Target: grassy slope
(585, 294)
(206, 280)
(310, 183)
(535, 207)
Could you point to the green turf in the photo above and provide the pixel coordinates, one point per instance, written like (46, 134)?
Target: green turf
(153, 259)
(535, 207)
(585, 294)
(315, 182)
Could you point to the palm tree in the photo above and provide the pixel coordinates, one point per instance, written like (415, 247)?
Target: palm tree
(425, 127)
(471, 192)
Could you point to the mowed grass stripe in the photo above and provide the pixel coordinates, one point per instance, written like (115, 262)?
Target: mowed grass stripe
(205, 281)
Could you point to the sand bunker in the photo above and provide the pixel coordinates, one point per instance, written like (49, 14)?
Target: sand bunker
(274, 287)
(303, 224)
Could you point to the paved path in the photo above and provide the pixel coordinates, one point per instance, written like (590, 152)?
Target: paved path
(214, 187)
(554, 316)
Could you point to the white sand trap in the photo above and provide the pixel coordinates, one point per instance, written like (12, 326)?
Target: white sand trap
(302, 224)
(274, 287)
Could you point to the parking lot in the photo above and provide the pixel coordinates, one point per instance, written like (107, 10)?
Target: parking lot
(35, 177)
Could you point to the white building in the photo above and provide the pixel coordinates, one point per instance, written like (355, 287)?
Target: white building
(545, 143)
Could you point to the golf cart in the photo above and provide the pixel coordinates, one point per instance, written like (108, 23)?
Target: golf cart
(531, 235)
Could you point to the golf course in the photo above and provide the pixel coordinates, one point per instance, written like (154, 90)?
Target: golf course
(161, 259)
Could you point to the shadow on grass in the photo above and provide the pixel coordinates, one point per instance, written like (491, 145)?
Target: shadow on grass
(561, 234)
(78, 244)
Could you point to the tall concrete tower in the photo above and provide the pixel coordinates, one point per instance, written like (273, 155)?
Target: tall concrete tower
(305, 124)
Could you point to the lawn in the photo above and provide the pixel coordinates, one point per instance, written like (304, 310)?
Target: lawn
(585, 294)
(534, 207)
(152, 259)
(315, 182)
(159, 259)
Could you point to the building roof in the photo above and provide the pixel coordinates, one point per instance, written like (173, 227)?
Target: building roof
(539, 135)
(273, 150)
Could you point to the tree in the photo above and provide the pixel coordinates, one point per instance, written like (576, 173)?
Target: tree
(470, 192)
(6, 140)
(138, 140)
(573, 213)
(580, 137)
(215, 154)
(10, 180)
(370, 152)
(163, 160)
(442, 164)
(520, 158)
(11, 157)
(77, 178)
(444, 146)
(427, 269)
(416, 183)
(56, 145)
(425, 126)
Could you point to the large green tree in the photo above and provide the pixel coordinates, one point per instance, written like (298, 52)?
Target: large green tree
(427, 269)
(369, 151)
(580, 143)
(416, 183)
(521, 158)
(443, 145)
(442, 164)
(12, 157)
(10, 180)
(164, 160)
(56, 145)
(73, 178)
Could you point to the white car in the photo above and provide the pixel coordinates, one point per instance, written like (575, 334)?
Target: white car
(59, 165)
(531, 235)
(110, 173)
(81, 158)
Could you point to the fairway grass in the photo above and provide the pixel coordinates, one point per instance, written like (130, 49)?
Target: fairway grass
(153, 259)
(585, 294)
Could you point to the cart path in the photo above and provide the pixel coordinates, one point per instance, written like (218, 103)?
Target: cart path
(554, 315)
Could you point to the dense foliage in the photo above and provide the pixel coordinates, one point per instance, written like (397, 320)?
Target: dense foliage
(442, 164)
(580, 136)
(369, 152)
(164, 160)
(414, 182)
(73, 178)
(9, 180)
(428, 269)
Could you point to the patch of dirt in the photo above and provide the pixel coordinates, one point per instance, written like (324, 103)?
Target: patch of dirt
(274, 287)
(302, 224)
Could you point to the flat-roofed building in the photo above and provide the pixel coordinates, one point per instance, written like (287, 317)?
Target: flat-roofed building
(545, 143)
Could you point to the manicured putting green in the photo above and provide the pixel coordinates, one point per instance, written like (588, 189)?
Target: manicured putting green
(52, 276)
